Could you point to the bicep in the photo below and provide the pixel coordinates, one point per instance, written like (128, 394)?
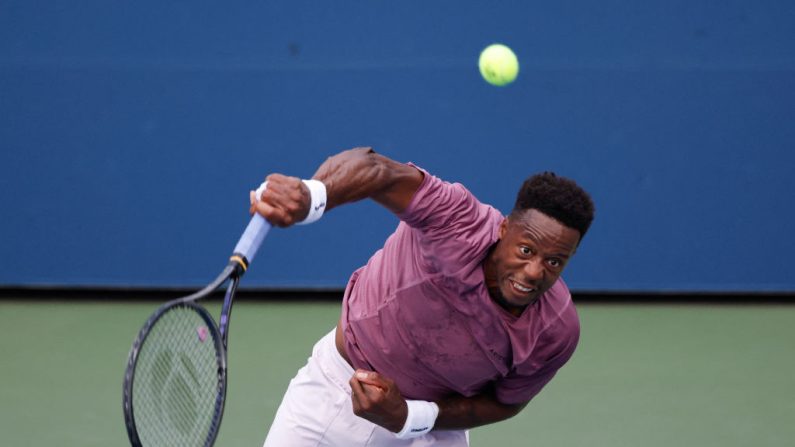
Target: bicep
(362, 173)
(404, 181)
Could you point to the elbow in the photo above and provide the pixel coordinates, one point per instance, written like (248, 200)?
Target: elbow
(511, 410)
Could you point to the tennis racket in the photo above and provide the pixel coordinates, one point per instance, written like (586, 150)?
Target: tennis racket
(175, 382)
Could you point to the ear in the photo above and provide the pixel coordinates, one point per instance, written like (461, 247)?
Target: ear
(503, 227)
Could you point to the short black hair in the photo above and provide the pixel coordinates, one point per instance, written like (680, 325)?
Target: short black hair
(559, 198)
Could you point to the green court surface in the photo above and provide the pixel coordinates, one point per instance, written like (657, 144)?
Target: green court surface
(644, 375)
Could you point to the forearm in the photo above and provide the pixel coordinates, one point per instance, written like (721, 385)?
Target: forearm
(348, 176)
(377, 399)
(458, 413)
(361, 173)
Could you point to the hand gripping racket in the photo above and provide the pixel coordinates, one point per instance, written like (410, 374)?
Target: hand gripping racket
(175, 382)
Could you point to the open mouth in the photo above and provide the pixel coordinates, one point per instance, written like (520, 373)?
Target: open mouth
(521, 288)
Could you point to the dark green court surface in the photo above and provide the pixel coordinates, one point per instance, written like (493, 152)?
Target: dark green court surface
(644, 375)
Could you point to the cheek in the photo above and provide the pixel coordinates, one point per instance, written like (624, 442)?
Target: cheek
(510, 264)
(551, 277)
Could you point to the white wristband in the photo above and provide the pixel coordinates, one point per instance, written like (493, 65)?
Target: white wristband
(317, 191)
(422, 415)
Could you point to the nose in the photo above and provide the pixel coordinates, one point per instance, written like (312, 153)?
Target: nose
(534, 270)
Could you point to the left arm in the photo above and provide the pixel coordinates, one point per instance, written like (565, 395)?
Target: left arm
(378, 400)
(467, 412)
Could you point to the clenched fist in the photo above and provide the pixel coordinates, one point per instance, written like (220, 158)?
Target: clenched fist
(378, 400)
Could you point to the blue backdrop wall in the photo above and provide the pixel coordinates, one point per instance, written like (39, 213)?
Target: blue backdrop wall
(131, 132)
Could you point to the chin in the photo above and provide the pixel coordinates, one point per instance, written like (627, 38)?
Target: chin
(511, 299)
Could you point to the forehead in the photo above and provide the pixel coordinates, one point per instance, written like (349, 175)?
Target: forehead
(540, 228)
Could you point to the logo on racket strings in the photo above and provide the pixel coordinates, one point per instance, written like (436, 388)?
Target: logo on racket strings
(202, 333)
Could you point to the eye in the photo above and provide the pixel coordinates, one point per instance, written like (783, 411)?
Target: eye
(555, 263)
(525, 250)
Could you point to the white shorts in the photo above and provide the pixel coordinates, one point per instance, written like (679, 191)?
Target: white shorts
(317, 410)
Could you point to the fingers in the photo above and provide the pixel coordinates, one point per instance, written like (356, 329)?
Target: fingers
(358, 397)
(378, 400)
(275, 215)
(372, 378)
(363, 387)
(284, 202)
(365, 396)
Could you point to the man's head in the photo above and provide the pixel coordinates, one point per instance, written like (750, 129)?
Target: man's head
(549, 219)
(557, 197)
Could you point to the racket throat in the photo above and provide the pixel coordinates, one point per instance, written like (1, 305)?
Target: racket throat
(226, 309)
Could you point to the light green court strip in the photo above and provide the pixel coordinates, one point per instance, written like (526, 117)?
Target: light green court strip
(644, 375)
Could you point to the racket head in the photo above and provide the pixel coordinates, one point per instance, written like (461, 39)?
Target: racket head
(175, 381)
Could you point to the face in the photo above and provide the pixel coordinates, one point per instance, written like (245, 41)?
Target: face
(532, 251)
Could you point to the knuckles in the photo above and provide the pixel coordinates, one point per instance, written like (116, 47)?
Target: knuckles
(285, 200)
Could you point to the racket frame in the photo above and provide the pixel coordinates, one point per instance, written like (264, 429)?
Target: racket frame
(244, 252)
(219, 332)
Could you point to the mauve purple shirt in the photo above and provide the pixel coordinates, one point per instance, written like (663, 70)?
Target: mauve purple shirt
(419, 312)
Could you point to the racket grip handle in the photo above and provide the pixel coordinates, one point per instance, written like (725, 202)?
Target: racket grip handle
(252, 238)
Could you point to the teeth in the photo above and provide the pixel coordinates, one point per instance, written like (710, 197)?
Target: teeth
(522, 288)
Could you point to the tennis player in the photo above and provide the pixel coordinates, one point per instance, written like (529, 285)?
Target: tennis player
(457, 322)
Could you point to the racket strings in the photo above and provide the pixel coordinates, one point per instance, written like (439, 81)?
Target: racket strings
(177, 381)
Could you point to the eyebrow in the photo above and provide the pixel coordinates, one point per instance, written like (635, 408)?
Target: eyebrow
(526, 235)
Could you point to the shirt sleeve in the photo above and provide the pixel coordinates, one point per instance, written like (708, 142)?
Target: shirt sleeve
(455, 228)
(525, 381)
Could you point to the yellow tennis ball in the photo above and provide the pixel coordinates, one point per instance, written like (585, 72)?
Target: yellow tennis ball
(498, 65)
